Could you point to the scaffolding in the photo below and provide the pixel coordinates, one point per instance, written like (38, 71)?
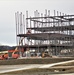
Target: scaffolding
(41, 32)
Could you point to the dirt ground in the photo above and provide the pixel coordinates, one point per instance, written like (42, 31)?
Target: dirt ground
(33, 61)
(44, 71)
(64, 68)
(40, 72)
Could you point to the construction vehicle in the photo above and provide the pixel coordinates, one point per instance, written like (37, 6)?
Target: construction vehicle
(46, 54)
(3, 55)
(16, 54)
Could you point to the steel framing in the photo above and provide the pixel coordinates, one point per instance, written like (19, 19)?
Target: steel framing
(54, 32)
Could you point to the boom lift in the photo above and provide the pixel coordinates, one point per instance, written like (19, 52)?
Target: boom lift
(17, 52)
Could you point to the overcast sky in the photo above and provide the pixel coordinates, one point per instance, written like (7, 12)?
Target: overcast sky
(9, 7)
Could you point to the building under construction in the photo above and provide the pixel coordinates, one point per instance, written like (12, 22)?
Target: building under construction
(41, 32)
